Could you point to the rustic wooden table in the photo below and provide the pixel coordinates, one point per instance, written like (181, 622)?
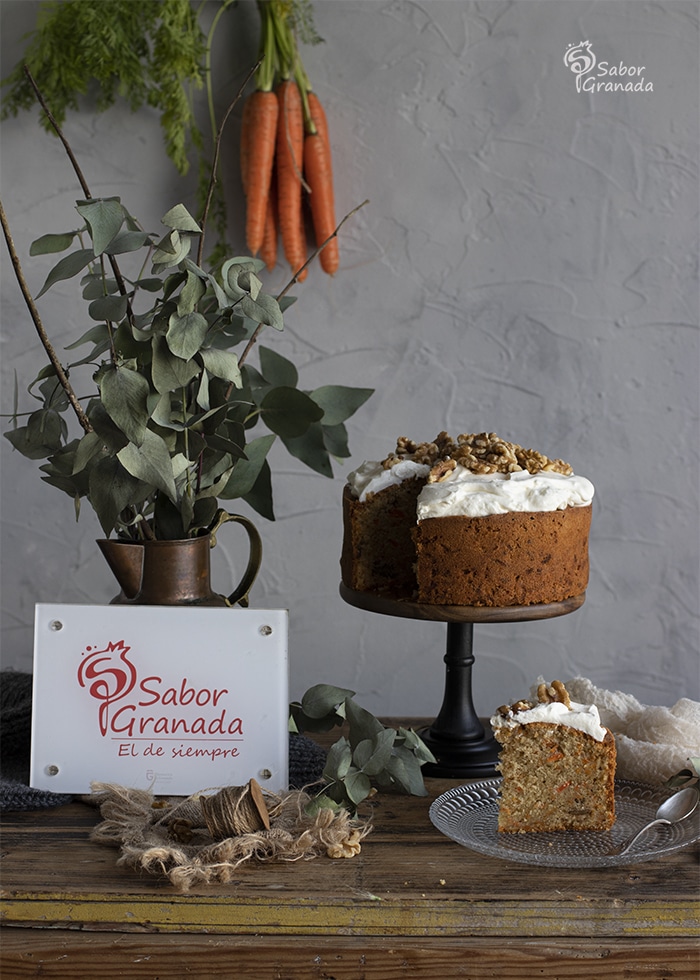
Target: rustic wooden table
(412, 904)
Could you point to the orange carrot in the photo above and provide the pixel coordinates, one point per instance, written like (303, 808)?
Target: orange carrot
(318, 172)
(290, 156)
(268, 249)
(258, 139)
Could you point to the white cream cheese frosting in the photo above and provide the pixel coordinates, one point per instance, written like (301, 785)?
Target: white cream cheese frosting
(372, 477)
(465, 494)
(584, 717)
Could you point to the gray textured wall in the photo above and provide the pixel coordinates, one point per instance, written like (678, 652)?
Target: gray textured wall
(527, 264)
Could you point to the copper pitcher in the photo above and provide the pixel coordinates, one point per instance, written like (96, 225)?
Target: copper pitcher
(178, 572)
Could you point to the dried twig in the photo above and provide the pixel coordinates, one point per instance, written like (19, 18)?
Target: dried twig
(34, 313)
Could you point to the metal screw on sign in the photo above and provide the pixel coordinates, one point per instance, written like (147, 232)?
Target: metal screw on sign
(265, 630)
(56, 625)
(265, 774)
(52, 770)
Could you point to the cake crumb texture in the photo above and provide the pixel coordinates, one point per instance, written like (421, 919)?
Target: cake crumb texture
(555, 778)
(503, 559)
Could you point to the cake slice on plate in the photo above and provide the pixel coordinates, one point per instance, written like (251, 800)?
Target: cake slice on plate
(557, 762)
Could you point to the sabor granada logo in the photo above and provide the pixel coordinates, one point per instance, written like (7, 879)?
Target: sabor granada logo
(108, 675)
(133, 707)
(602, 76)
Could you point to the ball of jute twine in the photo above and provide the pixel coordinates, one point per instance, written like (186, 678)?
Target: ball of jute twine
(235, 810)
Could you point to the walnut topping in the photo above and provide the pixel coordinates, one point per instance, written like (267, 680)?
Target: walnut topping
(548, 693)
(482, 453)
(513, 709)
(441, 470)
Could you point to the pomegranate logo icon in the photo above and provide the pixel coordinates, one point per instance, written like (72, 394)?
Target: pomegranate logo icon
(580, 59)
(108, 676)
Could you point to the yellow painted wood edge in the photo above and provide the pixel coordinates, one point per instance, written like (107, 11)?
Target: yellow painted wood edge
(379, 917)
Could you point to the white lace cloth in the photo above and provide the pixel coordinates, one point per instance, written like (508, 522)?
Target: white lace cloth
(653, 742)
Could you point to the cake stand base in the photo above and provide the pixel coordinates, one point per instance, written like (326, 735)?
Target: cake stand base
(461, 742)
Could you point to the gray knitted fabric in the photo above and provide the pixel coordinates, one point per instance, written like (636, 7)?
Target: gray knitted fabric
(306, 758)
(15, 745)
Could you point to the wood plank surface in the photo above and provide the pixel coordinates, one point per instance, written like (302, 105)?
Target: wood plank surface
(409, 880)
(72, 955)
(413, 904)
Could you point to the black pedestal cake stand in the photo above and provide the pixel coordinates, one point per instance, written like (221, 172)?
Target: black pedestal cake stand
(462, 745)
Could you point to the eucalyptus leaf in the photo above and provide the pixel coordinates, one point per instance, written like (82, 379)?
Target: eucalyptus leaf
(190, 294)
(363, 724)
(222, 364)
(150, 462)
(321, 802)
(260, 497)
(111, 490)
(53, 393)
(358, 786)
(223, 445)
(167, 520)
(112, 436)
(289, 412)
(171, 250)
(28, 442)
(47, 371)
(104, 217)
(89, 446)
(95, 335)
(48, 244)
(264, 309)
(186, 334)
(124, 395)
(405, 769)
(95, 285)
(276, 369)
(203, 399)
(180, 218)
(69, 266)
(170, 372)
(323, 699)
(310, 448)
(127, 241)
(111, 308)
(214, 489)
(246, 471)
(338, 760)
(339, 402)
(335, 440)
(372, 755)
(152, 284)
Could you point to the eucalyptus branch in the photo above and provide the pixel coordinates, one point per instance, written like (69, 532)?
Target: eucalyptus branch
(295, 278)
(215, 162)
(43, 337)
(83, 183)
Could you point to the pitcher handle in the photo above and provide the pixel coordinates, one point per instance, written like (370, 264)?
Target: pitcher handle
(240, 593)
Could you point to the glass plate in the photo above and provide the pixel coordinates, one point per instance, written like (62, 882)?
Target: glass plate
(469, 815)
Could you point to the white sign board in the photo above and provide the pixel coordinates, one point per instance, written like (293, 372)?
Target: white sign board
(172, 699)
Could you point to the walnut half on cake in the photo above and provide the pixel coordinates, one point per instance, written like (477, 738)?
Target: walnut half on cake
(557, 762)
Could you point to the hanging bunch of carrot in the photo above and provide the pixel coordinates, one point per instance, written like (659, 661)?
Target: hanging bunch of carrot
(286, 165)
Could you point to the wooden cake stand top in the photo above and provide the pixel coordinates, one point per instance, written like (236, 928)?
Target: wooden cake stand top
(408, 609)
